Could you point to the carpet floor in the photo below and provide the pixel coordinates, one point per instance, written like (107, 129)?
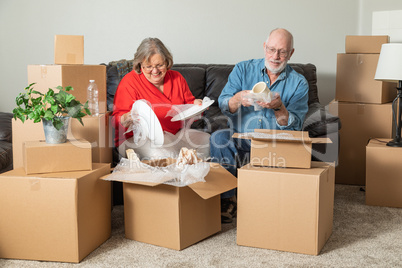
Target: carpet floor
(363, 236)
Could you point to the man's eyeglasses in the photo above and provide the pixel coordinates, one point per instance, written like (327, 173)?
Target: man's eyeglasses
(272, 51)
(150, 68)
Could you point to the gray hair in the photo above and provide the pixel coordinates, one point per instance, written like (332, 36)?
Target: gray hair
(149, 47)
(286, 32)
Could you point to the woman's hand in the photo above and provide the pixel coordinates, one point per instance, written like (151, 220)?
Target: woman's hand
(198, 102)
(126, 120)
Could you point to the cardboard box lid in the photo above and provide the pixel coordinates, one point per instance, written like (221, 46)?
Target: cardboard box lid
(316, 169)
(81, 143)
(20, 172)
(217, 181)
(280, 136)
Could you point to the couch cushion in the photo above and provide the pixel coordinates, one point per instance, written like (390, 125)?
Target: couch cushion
(217, 77)
(309, 71)
(5, 126)
(195, 77)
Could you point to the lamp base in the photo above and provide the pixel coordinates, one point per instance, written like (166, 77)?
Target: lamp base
(395, 143)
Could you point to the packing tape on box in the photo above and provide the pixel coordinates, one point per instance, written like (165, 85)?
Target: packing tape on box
(360, 109)
(359, 60)
(43, 71)
(35, 184)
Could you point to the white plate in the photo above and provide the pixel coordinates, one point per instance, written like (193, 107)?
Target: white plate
(150, 124)
(192, 111)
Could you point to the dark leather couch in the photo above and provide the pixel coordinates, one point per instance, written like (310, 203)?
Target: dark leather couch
(209, 80)
(6, 149)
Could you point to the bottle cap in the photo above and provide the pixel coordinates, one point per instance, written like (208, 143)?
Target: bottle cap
(91, 81)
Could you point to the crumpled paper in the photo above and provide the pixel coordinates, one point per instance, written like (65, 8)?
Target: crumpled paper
(187, 170)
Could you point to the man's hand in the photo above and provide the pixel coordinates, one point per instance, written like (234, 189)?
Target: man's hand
(239, 100)
(276, 103)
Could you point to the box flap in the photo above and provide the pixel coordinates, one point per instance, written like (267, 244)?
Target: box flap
(321, 140)
(274, 135)
(218, 181)
(280, 136)
(145, 183)
(157, 162)
(20, 172)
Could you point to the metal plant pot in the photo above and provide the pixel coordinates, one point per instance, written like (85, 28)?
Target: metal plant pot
(54, 136)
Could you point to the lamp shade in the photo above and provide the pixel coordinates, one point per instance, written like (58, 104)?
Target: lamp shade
(389, 67)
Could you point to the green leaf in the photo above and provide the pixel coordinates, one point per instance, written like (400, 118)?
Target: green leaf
(37, 92)
(80, 120)
(70, 98)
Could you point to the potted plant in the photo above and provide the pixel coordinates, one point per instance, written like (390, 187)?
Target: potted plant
(54, 109)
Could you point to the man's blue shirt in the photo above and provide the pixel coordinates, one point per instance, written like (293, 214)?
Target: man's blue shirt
(291, 86)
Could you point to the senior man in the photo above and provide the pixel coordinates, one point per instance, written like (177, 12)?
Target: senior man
(286, 110)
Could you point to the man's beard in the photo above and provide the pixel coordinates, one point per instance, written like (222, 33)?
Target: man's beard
(276, 70)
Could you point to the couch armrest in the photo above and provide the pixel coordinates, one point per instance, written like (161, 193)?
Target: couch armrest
(319, 122)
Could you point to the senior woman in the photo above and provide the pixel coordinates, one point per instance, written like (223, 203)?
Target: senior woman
(153, 80)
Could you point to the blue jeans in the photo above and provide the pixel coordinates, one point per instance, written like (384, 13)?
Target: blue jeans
(229, 153)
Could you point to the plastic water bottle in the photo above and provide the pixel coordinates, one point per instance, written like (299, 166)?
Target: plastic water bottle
(93, 99)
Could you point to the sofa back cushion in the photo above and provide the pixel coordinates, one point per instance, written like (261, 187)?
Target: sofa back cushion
(206, 80)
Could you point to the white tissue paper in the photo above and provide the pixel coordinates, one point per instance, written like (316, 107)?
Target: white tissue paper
(187, 170)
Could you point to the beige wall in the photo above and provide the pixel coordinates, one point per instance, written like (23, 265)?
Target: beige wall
(209, 31)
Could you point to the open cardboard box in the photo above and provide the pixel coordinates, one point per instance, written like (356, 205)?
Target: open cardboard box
(175, 217)
(280, 148)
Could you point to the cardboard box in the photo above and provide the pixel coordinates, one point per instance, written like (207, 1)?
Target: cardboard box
(361, 44)
(55, 217)
(96, 130)
(41, 157)
(355, 80)
(285, 209)
(68, 49)
(175, 217)
(280, 148)
(360, 122)
(383, 174)
(77, 76)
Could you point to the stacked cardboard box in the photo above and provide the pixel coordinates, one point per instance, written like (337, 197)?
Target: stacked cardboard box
(285, 201)
(362, 104)
(69, 70)
(54, 205)
(383, 176)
